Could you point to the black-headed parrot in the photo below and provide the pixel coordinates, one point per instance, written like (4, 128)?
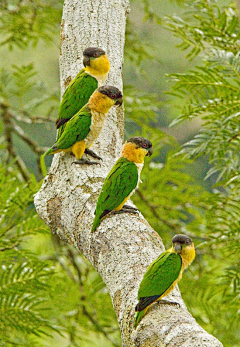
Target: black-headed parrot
(79, 90)
(123, 179)
(163, 274)
(83, 129)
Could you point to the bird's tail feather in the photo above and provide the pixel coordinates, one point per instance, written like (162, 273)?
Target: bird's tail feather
(96, 223)
(146, 301)
(139, 316)
(43, 165)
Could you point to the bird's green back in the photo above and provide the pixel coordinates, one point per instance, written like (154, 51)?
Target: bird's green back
(75, 130)
(119, 183)
(75, 97)
(160, 275)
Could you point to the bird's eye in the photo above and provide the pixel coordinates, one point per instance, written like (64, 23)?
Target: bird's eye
(144, 145)
(112, 96)
(95, 55)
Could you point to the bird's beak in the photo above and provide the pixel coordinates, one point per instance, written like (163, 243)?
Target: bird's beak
(119, 101)
(86, 61)
(177, 247)
(150, 152)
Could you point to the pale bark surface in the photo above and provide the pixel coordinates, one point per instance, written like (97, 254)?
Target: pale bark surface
(124, 245)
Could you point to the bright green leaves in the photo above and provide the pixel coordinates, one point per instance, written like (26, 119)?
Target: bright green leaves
(16, 201)
(24, 22)
(23, 298)
(212, 92)
(205, 25)
(19, 89)
(209, 96)
(23, 279)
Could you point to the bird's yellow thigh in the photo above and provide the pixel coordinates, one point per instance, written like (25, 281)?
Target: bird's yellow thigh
(121, 205)
(78, 149)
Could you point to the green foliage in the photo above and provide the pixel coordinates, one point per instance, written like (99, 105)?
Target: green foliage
(205, 25)
(16, 200)
(20, 300)
(139, 50)
(24, 94)
(39, 271)
(24, 22)
(45, 291)
(23, 280)
(169, 198)
(211, 91)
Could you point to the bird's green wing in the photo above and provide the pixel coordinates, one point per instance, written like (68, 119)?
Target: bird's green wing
(75, 97)
(119, 183)
(160, 275)
(75, 130)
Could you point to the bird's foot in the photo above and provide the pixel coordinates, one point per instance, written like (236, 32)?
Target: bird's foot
(166, 302)
(125, 210)
(85, 161)
(93, 154)
(130, 208)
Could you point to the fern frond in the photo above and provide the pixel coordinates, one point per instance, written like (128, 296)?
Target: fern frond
(23, 298)
(204, 26)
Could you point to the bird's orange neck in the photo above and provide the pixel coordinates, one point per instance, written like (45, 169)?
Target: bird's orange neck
(99, 66)
(132, 153)
(100, 102)
(187, 254)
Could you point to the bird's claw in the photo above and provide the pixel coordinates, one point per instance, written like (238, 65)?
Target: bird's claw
(85, 161)
(125, 210)
(92, 154)
(130, 208)
(166, 302)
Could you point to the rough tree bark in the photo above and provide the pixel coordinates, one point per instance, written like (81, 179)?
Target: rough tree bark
(124, 245)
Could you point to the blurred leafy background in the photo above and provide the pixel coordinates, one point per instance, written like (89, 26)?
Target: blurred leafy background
(181, 89)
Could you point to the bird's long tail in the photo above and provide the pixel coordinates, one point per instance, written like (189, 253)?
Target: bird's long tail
(139, 316)
(96, 223)
(48, 152)
(43, 165)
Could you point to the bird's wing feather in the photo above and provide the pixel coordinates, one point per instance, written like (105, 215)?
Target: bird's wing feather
(160, 275)
(75, 130)
(75, 97)
(120, 182)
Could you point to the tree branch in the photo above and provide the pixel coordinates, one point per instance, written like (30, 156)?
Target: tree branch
(124, 245)
(31, 143)
(8, 130)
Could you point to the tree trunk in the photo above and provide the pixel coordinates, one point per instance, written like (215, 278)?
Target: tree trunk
(123, 245)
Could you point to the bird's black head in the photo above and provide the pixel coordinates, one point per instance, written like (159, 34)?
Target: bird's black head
(113, 93)
(141, 142)
(180, 241)
(91, 53)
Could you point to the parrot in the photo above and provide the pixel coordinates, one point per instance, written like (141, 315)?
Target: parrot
(83, 128)
(163, 274)
(123, 179)
(78, 92)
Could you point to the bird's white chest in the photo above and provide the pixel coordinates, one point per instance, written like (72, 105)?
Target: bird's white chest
(139, 168)
(95, 128)
(101, 79)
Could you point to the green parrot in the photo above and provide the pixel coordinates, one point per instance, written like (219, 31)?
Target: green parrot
(83, 129)
(78, 92)
(163, 274)
(123, 179)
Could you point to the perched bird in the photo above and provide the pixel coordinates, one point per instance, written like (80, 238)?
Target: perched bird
(83, 128)
(163, 274)
(78, 92)
(123, 179)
